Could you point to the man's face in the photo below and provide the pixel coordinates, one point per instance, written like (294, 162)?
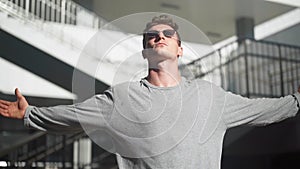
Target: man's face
(165, 44)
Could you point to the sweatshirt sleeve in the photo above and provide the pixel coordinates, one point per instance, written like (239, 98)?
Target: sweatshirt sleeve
(91, 113)
(240, 110)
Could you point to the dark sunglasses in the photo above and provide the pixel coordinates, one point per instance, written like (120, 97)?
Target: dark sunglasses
(169, 33)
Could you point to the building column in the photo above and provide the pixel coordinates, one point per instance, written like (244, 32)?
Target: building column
(82, 153)
(245, 27)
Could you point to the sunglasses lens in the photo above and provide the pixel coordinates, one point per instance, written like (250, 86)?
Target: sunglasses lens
(151, 34)
(154, 34)
(169, 33)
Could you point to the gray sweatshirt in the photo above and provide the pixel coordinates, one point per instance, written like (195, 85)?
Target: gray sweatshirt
(162, 127)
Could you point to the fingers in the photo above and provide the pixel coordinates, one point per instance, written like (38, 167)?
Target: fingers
(3, 102)
(18, 94)
(4, 112)
(4, 109)
(4, 106)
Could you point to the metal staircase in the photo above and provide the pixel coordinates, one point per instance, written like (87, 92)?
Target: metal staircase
(52, 17)
(59, 11)
(252, 68)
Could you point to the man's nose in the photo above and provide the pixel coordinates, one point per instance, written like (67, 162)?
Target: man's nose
(160, 36)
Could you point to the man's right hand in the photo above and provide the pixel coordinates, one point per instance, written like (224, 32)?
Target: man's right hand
(14, 109)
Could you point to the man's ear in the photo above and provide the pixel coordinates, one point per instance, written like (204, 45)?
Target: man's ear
(180, 51)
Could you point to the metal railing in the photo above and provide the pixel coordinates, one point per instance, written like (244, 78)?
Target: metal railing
(54, 19)
(252, 68)
(60, 11)
(39, 148)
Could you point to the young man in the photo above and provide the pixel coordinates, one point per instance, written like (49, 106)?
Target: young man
(164, 120)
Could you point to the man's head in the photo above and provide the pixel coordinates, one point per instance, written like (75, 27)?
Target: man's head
(161, 20)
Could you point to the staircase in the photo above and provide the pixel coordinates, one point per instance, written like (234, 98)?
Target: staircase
(252, 68)
(58, 11)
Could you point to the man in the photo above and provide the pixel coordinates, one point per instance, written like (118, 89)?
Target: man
(164, 120)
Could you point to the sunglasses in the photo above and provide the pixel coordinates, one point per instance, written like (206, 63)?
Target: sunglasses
(169, 33)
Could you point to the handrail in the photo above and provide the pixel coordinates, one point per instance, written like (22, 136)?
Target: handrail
(60, 11)
(241, 40)
(21, 142)
(38, 152)
(272, 68)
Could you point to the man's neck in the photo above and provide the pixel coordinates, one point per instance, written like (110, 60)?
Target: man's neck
(164, 77)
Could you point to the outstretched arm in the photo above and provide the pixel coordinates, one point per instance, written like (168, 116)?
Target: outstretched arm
(94, 112)
(260, 111)
(14, 109)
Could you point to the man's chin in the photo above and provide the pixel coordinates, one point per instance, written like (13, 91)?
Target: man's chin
(155, 53)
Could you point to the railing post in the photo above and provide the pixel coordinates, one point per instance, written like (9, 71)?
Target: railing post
(63, 10)
(21, 4)
(68, 12)
(38, 11)
(43, 10)
(27, 8)
(33, 11)
(17, 5)
(52, 9)
(72, 9)
(47, 8)
(246, 68)
(281, 70)
(57, 9)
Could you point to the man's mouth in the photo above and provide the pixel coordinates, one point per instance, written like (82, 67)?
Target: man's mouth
(160, 44)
